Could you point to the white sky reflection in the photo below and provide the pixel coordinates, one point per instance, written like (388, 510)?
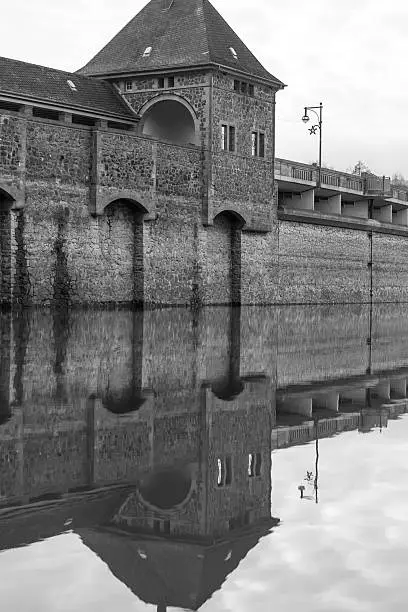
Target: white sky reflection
(347, 553)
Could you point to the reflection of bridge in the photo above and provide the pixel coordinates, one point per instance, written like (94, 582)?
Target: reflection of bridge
(339, 194)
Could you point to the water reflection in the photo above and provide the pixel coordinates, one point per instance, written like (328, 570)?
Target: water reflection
(150, 435)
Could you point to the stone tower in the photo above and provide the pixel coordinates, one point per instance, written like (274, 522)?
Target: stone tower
(193, 83)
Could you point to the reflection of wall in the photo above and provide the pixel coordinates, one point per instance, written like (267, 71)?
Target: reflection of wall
(97, 397)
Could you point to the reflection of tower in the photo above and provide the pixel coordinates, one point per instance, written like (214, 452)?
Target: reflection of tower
(175, 545)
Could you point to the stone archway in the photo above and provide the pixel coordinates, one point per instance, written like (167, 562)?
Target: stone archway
(121, 245)
(169, 118)
(224, 259)
(6, 203)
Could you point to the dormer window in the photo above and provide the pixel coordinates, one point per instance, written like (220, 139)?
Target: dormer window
(72, 85)
(147, 51)
(233, 53)
(128, 85)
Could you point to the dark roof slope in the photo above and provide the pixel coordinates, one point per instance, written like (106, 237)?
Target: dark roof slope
(189, 33)
(180, 574)
(32, 82)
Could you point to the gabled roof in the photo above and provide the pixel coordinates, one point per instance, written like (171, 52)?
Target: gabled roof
(177, 573)
(30, 82)
(182, 33)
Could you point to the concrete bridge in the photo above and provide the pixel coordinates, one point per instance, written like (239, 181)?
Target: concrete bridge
(339, 193)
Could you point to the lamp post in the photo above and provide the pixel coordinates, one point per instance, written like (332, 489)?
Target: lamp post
(314, 129)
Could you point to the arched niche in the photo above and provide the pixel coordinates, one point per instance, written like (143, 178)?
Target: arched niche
(6, 203)
(169, 119)
(7, 200)
(224, 250)
(167, 489)
(123, 403)
(122, 250)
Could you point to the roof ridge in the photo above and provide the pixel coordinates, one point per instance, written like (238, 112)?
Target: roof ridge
(187, 34)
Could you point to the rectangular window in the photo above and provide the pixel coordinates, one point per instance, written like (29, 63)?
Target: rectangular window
(231, 138)
(261, 144)
(161, 526)
(251, 90)
(171, 82)
(224, 476)
(254, 144)
(237, 86)
(244, 87)
(45, 113)
(254, 465)
(228, 137)
(224, 137)
(160, 83)
(128, 85)
(258, 144)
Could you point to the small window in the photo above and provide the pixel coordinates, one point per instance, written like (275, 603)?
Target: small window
(224, 477)
(224, 137)
(228, 138)
(160, 83)
(147, 51)
(72, 85)
(261, 144)
(254, 465)
(254, 144)
(45, 113)
(231, 139)
(161, 526)
(251, 90)
(171, 81)
(128, 85)
(237, 86)
(258, 144)
(244, 87)
(233, 53)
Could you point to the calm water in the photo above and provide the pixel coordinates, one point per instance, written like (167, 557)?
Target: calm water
(227, 460)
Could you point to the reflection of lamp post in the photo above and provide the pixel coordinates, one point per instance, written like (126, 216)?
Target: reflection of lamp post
(314, 129)
(309, 475)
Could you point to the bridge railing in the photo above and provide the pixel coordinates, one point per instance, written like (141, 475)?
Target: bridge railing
(399, 194)
(310, 173)
(367, 184)
(303, 172)
(377, 184)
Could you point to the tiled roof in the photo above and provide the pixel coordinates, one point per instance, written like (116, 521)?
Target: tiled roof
(181, 33)
(31, 82)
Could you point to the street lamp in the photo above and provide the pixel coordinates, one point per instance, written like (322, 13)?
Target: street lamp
(314, 129)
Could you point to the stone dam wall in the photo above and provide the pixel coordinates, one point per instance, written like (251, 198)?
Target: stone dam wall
(92, 215)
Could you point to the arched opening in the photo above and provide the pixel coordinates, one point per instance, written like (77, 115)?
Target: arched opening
(229, 384)
(169, 120)
(166, 489)
(6, 202)
(125, 402)
(121, 246)
(224, 252)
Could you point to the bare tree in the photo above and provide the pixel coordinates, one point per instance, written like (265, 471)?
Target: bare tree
(399, 180)
(359, 168)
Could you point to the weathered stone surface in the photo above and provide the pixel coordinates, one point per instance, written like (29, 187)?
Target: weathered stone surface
(101, 216)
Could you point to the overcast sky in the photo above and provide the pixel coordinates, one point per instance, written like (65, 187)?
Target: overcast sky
(351, 55)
